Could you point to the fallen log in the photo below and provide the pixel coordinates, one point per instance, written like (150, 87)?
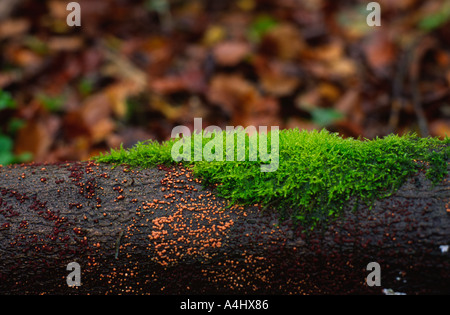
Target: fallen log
(159, 231)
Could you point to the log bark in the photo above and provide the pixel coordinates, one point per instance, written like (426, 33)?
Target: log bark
(157, 231)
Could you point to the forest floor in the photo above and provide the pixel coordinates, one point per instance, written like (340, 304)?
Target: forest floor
(135, 69)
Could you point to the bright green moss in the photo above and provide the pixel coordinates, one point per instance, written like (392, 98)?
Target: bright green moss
(318, 173)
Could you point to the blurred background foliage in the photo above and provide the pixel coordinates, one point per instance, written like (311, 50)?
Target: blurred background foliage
(136, 69)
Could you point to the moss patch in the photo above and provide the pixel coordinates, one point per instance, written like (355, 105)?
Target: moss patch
(318, 173)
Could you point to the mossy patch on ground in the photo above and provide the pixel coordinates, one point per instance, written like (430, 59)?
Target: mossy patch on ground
(318, 172)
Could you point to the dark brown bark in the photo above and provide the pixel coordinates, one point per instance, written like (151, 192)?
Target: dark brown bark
(156, 231)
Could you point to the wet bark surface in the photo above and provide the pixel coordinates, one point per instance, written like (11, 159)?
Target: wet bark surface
(158, 231)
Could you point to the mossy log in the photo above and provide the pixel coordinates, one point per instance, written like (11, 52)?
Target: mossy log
(158, 231)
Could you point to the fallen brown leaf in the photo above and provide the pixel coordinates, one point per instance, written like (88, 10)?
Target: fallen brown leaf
(37, 137)
(274, 77)
(13, 28)
(349, 105)
(283, 41)
(380, 51)
(233, 94)
(65, 43)
(329, 92)
(440, 128)
(241, 100)
(230, 53)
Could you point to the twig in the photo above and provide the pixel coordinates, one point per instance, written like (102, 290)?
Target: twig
(410, 60)
(397, 99)
(422, 46)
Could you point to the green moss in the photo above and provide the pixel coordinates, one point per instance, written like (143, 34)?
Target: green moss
(318, 173)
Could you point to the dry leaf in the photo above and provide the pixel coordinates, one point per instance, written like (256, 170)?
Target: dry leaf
(329, 61)
(308, 100)
(329, 52)
(168, 85)
(37, 137)
(57, 9)
(241, 100)
(102, 129)
(13, 28)
(169, 111)
(9, 77)
(119, 66)
(348, 102)
(65, 43)
(278, 85)
(230, 53)
(380, 51)
(283, 41)
(263, 112)
(231, 92)
(329, 92)
(440, 128)
(190, 80)
(92, 120)
(342, 68)
(275, 78)
(23, 57)
(119, 92)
